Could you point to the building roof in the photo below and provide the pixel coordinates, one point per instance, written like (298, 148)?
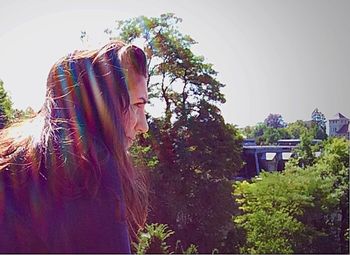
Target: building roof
(338, 116)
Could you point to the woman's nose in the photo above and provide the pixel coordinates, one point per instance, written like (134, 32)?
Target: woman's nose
(142, 125)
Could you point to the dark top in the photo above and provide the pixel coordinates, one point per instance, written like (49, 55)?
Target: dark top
(31, 221)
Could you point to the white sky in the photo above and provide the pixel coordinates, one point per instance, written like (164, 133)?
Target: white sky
(274, 56)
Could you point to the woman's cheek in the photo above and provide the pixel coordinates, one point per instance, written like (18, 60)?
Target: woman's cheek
(132, 119)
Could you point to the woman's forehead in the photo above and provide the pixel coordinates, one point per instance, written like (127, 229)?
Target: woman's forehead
(137, 85)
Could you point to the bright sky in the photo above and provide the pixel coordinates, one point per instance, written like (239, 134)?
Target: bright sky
(274, 56)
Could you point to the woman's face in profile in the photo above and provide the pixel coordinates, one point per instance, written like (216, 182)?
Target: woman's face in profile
(136, 122)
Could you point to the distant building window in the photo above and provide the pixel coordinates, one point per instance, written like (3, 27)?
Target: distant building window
(270, 155)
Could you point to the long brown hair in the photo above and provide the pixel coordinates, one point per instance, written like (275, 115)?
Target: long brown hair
(79, 127)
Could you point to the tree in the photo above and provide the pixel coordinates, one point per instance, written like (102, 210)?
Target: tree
(286, 212)
(265, 134)
(248, 132)
(176, 75)
(305, 151)
(191, 151)
(334, 161)
(272, 135)
(297, 129)
(275, 121)
(319, 119)
(5, 106)
(153, 240)
(192, 181)
(302, 210)
(18, 115)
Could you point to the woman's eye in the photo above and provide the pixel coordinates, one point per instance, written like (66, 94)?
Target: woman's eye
(139, 105)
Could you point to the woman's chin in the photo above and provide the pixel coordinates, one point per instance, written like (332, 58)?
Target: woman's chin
(129, 143)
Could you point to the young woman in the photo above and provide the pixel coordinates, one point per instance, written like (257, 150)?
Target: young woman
(66, 182)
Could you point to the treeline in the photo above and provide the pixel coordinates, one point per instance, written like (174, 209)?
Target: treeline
(191, 156)
(190, 153)
(301, 210)
(9, 114)
(275, 128)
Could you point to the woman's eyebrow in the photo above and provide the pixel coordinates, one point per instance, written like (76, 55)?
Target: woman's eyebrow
(144, 100)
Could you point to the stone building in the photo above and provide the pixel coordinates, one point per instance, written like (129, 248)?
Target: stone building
(339, 126)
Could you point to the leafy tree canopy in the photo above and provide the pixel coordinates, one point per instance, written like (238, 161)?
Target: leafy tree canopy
(176, 74)
(302, 210)
(190, 151)
(297, 129)
(320, 120)
(5, 106)
(275, 121)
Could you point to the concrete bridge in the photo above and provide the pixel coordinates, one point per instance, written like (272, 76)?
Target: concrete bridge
(269, 158)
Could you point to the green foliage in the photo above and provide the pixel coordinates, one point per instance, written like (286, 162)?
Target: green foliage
(7, 113)
(19, 115)
(247, 132)
(296, 129)
(320, 120)
(270, 131)
(255, 132)
(5, 106)
(153, 240)
(142, 153)
(272, 135)
(275, 121)
(191, 152)
(235, 238)
(334, 161)
(276, 208)
(192, 249)
(302, 210)
(305, 151)
(266, 135)
(191, 185)
(179, 77)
